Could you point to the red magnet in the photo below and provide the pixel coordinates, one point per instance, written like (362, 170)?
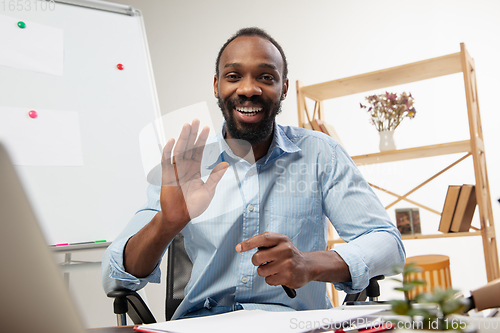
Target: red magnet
(33, 114)
(120, 67)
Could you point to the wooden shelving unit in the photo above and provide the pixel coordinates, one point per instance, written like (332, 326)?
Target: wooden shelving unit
(332, 242)
(460, 62)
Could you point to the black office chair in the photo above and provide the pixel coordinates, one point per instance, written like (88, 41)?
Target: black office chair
(179, 268)
(372, 292)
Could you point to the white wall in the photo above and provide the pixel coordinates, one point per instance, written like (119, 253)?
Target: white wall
(331, 39)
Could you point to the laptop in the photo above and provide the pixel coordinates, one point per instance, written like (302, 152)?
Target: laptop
(33, 297)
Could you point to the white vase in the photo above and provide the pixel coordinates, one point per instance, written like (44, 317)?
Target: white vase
(386, 140)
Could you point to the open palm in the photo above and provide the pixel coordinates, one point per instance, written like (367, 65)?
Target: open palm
(184, 195)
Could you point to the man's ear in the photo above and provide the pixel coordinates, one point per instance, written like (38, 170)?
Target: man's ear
(285, 90)
(216, 86)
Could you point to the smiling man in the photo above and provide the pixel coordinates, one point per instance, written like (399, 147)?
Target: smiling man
(250, 83)
(260, 219)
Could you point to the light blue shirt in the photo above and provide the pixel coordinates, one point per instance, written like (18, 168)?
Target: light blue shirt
(305, 179)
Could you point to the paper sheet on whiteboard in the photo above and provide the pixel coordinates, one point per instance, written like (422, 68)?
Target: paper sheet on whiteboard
(51, 139)
(155, 135)
(37, 47)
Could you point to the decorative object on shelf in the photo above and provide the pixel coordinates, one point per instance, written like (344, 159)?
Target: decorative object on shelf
(386, 140)
(387, 111)
(408, 221)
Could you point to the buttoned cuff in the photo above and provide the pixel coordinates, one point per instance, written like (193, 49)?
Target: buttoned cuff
(359, 271)
(117, 269)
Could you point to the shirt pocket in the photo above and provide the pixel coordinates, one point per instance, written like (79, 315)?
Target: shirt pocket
(301, 219)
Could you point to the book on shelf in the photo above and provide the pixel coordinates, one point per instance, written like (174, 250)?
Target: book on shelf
(322, 126)
(449, 206)
(464, 211)
(315, 126)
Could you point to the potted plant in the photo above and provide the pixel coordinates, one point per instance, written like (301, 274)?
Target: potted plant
(436, 312)
(387, 111)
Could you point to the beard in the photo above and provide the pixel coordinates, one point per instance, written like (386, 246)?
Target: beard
(251, 133)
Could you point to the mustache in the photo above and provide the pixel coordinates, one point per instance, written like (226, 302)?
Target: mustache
(242, 99)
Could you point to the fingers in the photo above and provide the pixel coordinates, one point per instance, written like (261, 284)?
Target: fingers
(276, 273)
(200, 144)
(182, 141)
(215, 177)
(185, 143)
(266, 239)
(188, 152)
(167, 153)
(168, 176)
(190, 145)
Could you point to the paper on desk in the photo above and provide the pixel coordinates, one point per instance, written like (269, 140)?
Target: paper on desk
(37, 47)
(50, 139)
(252, 321)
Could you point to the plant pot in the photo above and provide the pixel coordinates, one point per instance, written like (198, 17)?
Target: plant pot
(387, 140)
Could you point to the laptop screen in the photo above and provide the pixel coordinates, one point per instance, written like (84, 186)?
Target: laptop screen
(34, 297)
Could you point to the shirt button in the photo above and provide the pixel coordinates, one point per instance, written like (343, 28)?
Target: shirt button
(250, 208)
(250, 173)
(244, 279)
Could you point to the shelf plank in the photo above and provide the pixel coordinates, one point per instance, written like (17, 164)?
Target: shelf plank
(413, 153)
(416, 71)
(452, 234)
(331, 242)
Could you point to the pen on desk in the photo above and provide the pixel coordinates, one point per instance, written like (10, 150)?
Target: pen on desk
(289, 291)
(380, 328)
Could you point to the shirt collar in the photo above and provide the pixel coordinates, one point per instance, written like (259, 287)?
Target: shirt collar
(217, 150)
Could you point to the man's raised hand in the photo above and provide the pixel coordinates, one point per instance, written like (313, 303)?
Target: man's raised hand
(184, 195)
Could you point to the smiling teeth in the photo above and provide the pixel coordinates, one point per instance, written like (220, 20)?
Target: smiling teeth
(249, 111)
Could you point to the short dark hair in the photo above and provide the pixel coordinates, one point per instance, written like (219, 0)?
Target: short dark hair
(253, 31)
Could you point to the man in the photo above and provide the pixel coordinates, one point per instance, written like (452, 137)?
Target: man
(259, 220)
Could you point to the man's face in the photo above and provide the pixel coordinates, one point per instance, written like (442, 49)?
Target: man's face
(250, 88)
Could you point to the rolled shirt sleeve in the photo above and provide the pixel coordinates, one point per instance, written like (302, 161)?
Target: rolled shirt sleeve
(113, 274)
(373, 244)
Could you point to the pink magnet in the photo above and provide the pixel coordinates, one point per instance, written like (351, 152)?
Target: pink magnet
(33, 114)
(120, 67)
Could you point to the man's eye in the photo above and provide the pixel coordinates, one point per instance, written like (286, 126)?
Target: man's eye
(232, 76)
(267, 77)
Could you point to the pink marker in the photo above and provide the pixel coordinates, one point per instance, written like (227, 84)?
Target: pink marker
(62, 244)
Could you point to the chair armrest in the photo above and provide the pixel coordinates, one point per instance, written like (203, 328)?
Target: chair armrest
(138, 311)
(372, 291)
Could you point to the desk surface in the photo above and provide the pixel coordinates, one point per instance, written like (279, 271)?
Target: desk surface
(119, 329)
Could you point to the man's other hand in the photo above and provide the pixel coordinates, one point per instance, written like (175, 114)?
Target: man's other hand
(281, 263)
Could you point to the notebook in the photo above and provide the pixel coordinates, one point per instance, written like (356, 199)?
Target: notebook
(33, 297)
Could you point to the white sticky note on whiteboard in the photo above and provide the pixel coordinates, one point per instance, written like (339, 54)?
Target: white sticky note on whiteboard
(155, 135)
(51, 139)
(37, 47)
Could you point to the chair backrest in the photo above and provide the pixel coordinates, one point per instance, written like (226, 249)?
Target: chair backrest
(179, 268)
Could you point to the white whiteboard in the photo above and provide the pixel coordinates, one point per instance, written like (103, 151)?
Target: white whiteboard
(95, 200)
